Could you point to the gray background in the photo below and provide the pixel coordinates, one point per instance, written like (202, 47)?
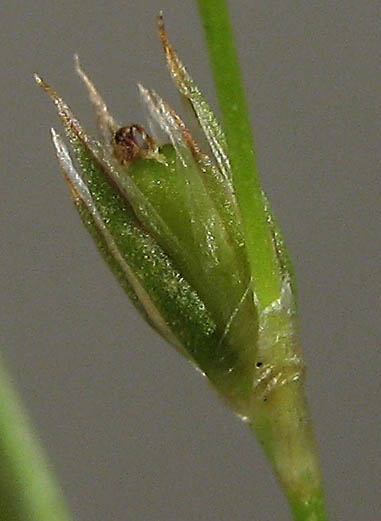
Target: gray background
(133, 432)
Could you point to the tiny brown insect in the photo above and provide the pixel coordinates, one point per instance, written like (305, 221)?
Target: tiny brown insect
(127, 145)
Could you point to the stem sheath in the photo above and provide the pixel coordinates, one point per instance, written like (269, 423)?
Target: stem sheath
(279, 415)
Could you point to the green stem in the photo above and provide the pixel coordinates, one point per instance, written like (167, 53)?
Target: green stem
(279, 415)
(28, 491)
(284, 429)
(232, 102)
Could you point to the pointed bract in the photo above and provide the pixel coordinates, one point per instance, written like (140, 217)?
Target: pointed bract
(212, 129)
(107, 125)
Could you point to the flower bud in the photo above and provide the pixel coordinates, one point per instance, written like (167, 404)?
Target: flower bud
(166, 220)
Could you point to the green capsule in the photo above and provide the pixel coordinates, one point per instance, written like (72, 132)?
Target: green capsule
(165, 218)
(160, 231)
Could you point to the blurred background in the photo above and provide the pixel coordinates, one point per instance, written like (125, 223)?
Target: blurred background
(132, 431)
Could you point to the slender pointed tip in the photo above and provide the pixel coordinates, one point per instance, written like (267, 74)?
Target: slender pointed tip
(81, 73)
(162, 32)
(161, 27)
(37, 78)
(144, 94)
(46, 87)
(92, 91)
(70, 123)
(148, 96)
(142, 90)
(59, 145)
(105, 122)
(42, 83)
(61, 150)
(77, 187)
(77, 65)
(172, 59)
(76, 61)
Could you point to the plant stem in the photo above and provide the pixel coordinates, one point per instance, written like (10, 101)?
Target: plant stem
(284, 429)
(279, 416)
(28, 491)
(232, 102)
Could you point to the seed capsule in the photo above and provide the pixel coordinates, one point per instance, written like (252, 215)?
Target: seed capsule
(127, 146)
